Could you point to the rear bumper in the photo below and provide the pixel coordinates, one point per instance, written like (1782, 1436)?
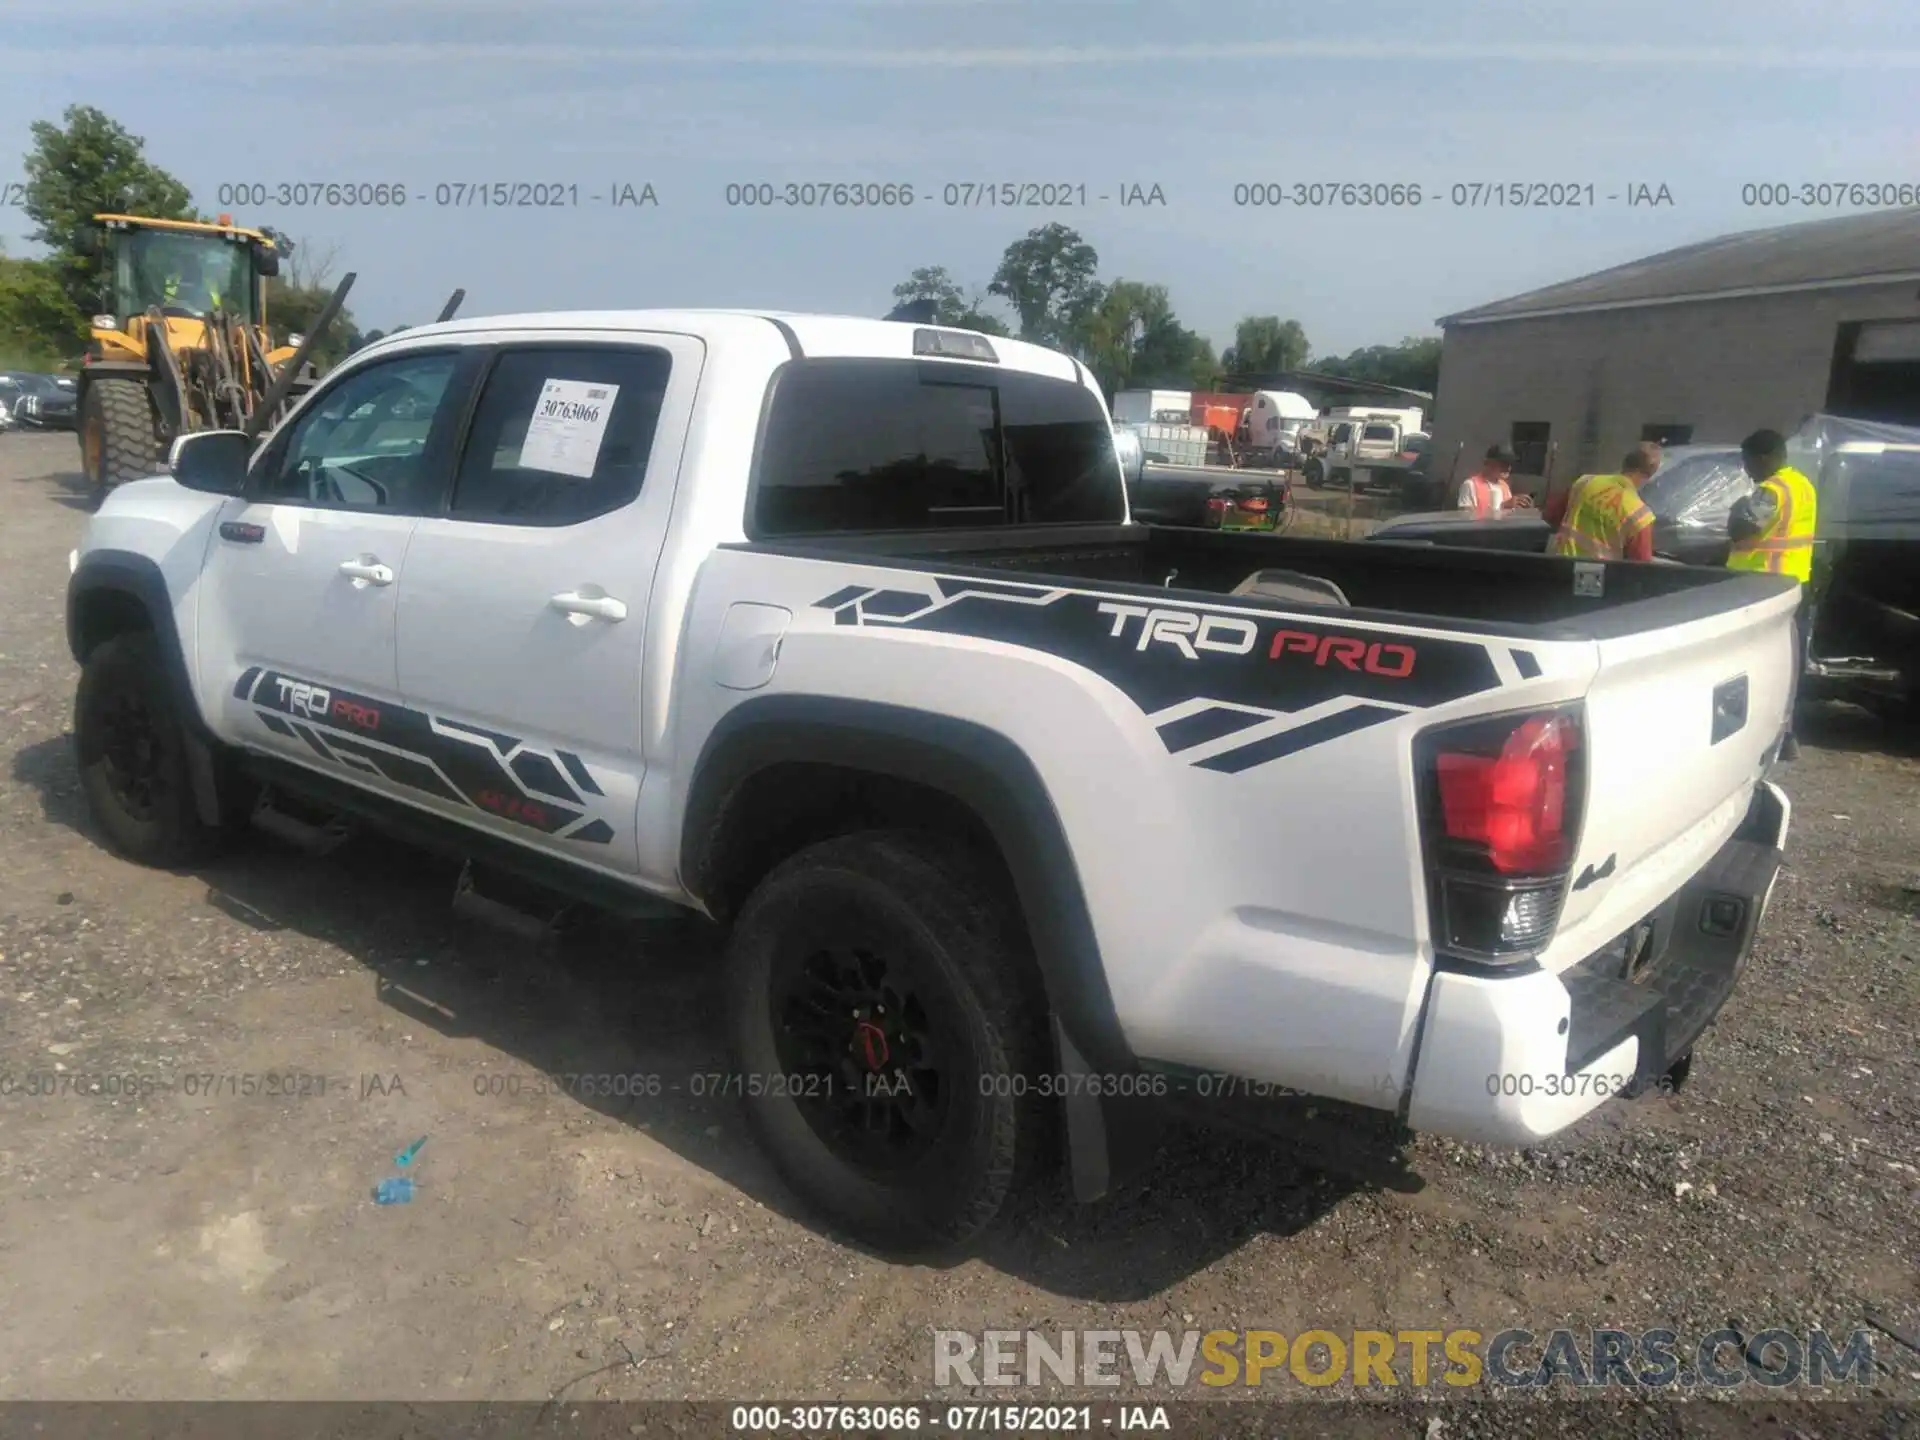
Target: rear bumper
(1511, 1060)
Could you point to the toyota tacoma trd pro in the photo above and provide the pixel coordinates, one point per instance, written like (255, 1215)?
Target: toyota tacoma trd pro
(1030, 826)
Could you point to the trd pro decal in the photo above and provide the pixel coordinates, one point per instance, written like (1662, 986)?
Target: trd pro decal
(1279, 683)
(552, 794)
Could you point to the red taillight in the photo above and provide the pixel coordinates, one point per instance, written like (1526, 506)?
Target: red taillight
(1515, 803)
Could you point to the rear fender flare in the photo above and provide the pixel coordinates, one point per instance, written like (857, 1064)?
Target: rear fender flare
(980, 768)
(1107, 1139)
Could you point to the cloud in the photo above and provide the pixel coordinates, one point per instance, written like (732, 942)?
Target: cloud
(1363, 50)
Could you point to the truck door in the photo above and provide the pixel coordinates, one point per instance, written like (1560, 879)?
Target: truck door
(522, 625)
(295, 642)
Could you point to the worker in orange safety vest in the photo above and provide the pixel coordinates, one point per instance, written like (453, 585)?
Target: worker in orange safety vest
(1487, 492)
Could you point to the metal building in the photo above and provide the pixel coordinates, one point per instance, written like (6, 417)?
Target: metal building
(1700, 345)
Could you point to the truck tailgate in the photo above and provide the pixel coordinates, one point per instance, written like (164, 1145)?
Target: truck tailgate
(1681, 722)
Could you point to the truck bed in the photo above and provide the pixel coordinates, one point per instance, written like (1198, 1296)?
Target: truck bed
(1487, 592)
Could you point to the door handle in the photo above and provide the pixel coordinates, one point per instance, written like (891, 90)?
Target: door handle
(582, 608)
(367, 571)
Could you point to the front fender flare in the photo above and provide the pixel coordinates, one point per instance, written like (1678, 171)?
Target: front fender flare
(135, 581)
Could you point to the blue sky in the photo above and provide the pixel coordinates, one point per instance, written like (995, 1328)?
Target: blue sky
(1701, 97)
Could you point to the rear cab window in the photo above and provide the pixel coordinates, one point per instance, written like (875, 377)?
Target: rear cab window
(854, 445)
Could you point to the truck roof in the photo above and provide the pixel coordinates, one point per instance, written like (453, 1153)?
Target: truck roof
(818, 335)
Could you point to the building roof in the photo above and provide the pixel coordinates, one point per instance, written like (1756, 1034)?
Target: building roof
(1880, 247)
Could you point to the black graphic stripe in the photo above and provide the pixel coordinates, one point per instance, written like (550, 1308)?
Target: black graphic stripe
(1165, 654)
(949, 587)
(846, 595)
(1301, 737)
(457, 762)
(540, 775)
(893, 604)
(313, 742)
(1191, 730)
(498, 739)
(243, 687)
(1250, 658)
(577, 768)
(408, 770)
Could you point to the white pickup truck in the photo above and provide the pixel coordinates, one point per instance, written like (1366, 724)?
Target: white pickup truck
(1026, 821)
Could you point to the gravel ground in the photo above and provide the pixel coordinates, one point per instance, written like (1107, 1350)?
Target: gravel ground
(202, 1238)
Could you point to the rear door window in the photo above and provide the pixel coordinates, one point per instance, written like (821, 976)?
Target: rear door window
(561, 434)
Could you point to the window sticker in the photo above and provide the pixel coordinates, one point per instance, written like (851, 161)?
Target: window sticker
(569, 423)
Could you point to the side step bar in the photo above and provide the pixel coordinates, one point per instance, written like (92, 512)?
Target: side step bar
(303, 835)
(483, 855)
(469, 902)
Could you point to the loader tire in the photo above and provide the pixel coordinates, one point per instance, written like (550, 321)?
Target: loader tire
(117, 443)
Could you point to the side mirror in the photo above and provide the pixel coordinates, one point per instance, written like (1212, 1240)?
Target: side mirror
(266, 260)
(212, 461)
(1130, 453)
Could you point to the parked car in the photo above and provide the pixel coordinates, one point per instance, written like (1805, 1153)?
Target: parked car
(984, 780)
(1416, 486)
(1353, 445)
(1691, 496)
(44, 402)
(14, 387)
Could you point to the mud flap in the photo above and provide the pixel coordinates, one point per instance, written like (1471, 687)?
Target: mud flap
(201, 776)
(1110, 1138)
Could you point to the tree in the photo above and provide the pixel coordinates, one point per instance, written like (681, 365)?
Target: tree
(91, 165)
(1170, 354)
(952, 306)
(1130, 338)
(1048, 279)
(1110, 334)
(1266, 343)
(38, 324)
(1413, 364)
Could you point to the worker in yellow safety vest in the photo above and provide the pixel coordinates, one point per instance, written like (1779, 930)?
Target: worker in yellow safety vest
(1771, 531)
(1605, 517)
(188, 287)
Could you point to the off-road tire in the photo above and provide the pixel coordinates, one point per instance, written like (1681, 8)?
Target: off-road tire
(1314, 471)
(127, 671)
(933, 906)
(117, 443)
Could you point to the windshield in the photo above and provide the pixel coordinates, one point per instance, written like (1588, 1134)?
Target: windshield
(184, 274)
(1697, 492)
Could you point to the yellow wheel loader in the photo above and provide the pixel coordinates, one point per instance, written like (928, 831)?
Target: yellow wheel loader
(186, 347)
